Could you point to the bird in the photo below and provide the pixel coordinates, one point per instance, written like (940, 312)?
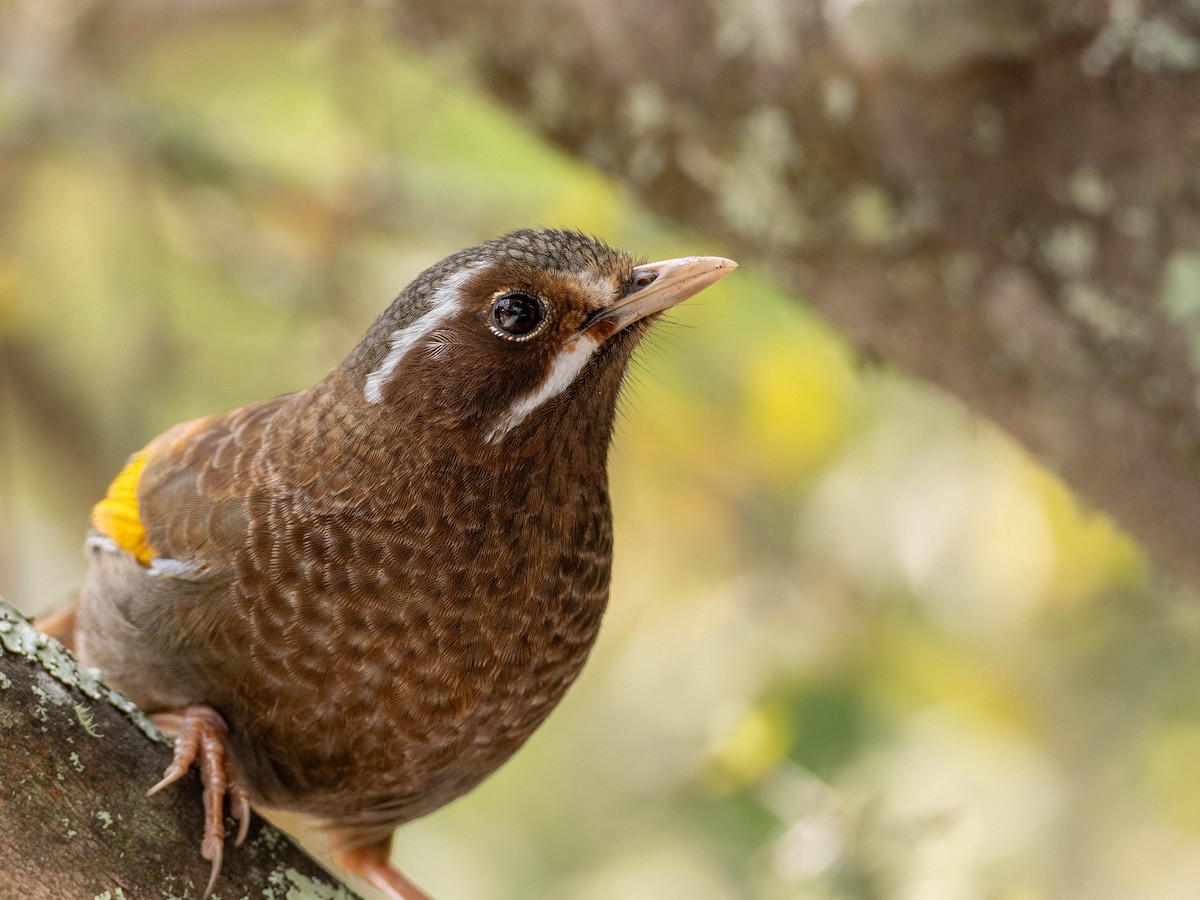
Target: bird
(355, 601)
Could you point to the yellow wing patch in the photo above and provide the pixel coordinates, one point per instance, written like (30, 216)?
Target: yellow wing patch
(116, 516)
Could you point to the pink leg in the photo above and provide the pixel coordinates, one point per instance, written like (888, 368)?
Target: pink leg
(371, 864)
(200, 735)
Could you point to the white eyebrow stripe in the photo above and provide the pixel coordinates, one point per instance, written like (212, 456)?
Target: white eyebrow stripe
(445, 301)
(567, 366)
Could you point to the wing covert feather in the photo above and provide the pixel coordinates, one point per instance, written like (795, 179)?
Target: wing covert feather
(191, 485)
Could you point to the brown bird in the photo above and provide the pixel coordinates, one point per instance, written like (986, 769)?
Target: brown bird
(356, 601)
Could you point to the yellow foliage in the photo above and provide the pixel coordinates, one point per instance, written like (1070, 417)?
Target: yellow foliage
(799, 400)
(1092, 552)
(925, 670)
(755, 746)
(1171, 772)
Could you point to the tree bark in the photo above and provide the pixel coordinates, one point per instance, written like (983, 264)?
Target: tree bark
(1001, 198)
(77, 760)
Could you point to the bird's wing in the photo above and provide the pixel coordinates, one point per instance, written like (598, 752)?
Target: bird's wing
(179, 505)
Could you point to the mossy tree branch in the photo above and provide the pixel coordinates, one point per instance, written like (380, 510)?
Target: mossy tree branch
(77, 759)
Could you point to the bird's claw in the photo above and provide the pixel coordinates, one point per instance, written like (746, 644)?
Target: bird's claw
(172, 774)
(200, 737)
(239, 806)
(213, 848)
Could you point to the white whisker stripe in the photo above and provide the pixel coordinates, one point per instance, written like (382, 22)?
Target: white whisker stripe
(567, 366)
(445, 301)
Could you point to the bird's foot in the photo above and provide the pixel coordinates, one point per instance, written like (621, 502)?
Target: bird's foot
(199, 733)
(371, 863)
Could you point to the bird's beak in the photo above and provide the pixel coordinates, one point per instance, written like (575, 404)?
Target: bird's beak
(661, 285)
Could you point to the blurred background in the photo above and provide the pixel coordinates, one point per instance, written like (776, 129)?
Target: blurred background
(860, 645)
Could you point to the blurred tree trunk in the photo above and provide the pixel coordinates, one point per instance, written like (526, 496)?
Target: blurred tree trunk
(76, 768)
(1001, 198)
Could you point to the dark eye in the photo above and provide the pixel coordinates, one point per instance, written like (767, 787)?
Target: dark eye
(517, 315)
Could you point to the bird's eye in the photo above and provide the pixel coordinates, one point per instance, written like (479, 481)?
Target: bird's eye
(517, 316)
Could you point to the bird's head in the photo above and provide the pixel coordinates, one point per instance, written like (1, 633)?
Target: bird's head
(497, 336)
